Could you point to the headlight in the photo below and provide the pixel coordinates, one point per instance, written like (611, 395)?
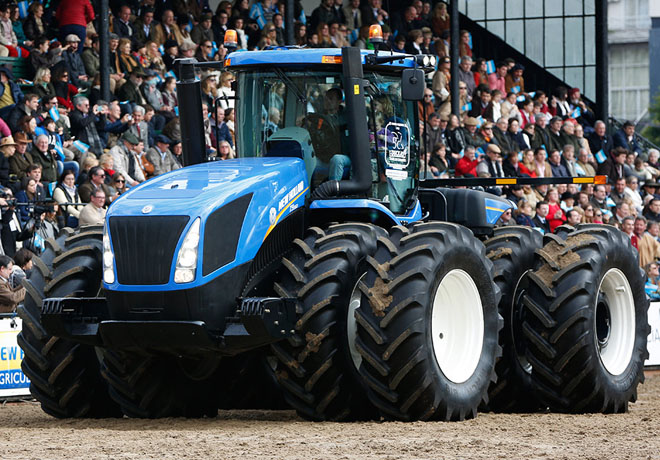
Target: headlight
(186, 261)
(426, 60)
(108, 258)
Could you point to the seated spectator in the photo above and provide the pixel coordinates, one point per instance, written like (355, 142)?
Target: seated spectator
(509, 107)
(7, 148)
(540, 220)
(138, 126)
(119, 183)
(10, 93)
(568, 160)
(491, 164)
(556, 166)
(121, 24)
(167, 29)
(471, 135)
(220, 130)
(467, 165)
(130, 91)
(43, 56)
(93, 213)
(9, 45)
(21, 159)
(625, 137)
(160, 156)
(96, 180)
(33, 25)
(115, 124)
(125, 161)
(46, 156)
(514, 81)
(497, 80)
(64, 90)
(600, 140)
(432, 134)
(144, 27)
(87, 162)
(523, 214)
(71, 57)
(43, 87)
(28, 107)
(67, 192)
(652, 210)
(612, 167)
(84, 124)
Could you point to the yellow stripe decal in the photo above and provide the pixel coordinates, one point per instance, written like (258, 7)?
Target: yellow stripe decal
(490, 208)
(506, 181)
(583, 180)
(277, 219)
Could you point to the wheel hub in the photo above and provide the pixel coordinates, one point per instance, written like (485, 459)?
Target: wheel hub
(457, 326)
(614, 322)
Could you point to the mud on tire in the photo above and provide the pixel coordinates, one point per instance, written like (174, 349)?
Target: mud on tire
(586, 322)
(511, 249)
(316, 369)
(64, 375)
(428, 323)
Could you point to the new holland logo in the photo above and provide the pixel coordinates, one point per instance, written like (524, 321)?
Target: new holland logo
(147, 209)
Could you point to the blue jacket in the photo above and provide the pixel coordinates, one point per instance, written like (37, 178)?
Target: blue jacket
(620, 140)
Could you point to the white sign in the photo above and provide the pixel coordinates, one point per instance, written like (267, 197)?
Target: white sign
(12, 380)
(654, 336)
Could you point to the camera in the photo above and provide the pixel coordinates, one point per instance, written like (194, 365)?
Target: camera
(10, 201)
(129, 118)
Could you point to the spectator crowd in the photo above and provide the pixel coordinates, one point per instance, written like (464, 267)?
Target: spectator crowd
(62, 141)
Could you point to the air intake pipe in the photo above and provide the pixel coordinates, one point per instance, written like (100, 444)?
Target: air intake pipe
(358, 131)
(189, 94)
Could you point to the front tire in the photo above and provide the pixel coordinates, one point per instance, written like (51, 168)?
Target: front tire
(586, 324)
(317, 371)
(64, 375)
(428, 326)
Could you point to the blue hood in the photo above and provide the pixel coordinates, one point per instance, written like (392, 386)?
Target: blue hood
(278, 186)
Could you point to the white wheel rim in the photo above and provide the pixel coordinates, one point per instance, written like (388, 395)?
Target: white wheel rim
(615, 348)
(351, 324)
(457, 326)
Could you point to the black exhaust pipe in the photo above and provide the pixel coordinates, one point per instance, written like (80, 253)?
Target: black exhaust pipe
(358, 131)
(189, 94)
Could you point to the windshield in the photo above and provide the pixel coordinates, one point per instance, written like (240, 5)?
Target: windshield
(302, 114)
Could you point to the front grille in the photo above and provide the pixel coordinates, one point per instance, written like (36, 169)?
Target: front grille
(144, 247)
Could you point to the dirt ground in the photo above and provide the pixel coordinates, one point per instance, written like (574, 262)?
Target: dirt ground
(27, 433)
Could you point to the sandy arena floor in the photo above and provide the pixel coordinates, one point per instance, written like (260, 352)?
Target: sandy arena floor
(28, 433)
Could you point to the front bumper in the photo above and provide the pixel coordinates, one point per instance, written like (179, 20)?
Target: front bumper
(257, 321)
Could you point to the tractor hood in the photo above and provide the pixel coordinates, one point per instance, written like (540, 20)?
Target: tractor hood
(239, 202)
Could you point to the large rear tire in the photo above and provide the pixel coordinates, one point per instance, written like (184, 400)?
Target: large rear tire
(317, 371)
(428, 324)
(64, 375)
(511, 249)
(586, 322)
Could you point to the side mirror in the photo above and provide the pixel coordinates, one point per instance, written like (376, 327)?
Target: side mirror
(412, 85)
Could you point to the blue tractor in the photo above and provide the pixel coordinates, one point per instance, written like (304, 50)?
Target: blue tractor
(317, 261)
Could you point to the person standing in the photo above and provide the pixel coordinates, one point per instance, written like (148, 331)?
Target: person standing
(73, 17)
(9, 297)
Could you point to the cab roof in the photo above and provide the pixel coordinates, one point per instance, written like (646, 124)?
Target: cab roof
(294, 56)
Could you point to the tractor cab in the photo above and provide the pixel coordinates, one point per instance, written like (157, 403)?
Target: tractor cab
(293, 104)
